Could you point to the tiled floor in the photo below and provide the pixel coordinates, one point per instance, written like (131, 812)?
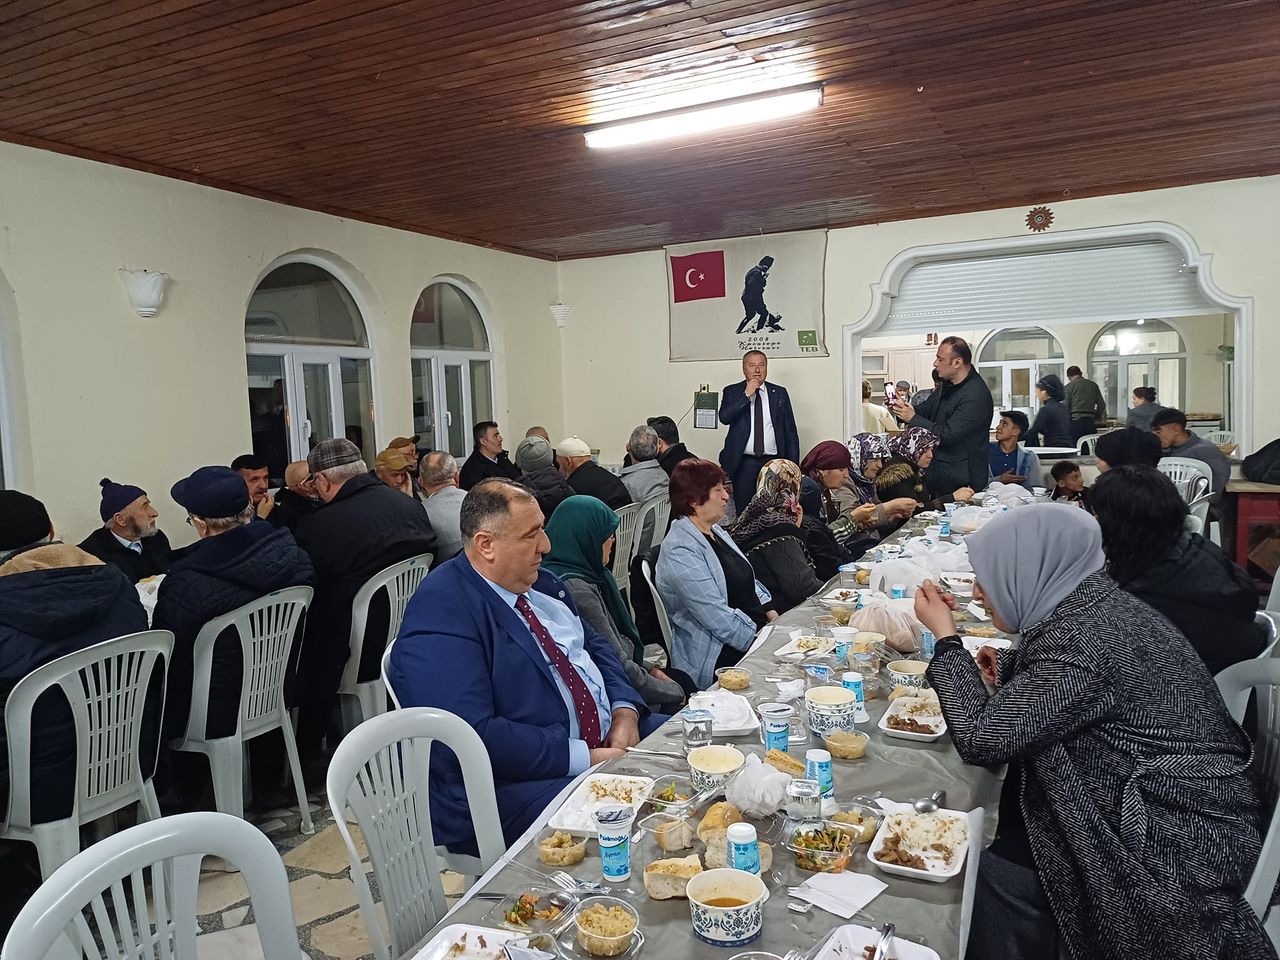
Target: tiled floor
(330, 926)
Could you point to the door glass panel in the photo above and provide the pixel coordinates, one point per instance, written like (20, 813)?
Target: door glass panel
(268, 414)
(357, 405)
(424, 401)
(1169, 385)
(457, 421)
(1139, 375)
(994, 378)
(318, 401)
(1020, 387)
(1104, 375)
(481, 390)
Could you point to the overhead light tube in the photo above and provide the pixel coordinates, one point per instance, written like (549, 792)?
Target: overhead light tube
(690, 121)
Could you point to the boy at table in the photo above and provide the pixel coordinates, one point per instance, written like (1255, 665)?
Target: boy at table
(498, 641)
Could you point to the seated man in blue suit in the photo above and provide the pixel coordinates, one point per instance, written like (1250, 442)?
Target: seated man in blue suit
(495, 639)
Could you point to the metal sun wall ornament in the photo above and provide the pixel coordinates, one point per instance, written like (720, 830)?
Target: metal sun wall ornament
(1039, 219)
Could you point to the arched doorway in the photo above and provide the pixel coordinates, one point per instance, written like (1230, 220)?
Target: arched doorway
(1139, 353)
(309, 364)
(1013, 359)
(452, 366)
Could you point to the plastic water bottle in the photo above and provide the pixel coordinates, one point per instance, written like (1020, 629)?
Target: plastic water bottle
(817, 766)
(927, 643)
(744, 848)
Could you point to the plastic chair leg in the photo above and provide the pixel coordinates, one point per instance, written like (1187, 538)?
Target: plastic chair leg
(149, 805)
(373, 698)
(352, 709)
(295, 772)
(226, 764)
(56, 843)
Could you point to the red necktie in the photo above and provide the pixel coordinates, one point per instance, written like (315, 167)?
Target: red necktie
(583, 702)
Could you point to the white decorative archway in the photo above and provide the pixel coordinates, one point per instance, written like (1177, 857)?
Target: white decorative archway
(1192, 261)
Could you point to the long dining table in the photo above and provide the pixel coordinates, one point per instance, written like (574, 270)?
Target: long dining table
(934, 914)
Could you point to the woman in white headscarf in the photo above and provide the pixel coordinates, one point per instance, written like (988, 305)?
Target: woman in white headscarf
(1129, 823)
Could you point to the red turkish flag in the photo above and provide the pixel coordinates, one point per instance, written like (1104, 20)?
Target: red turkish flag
(698, 276)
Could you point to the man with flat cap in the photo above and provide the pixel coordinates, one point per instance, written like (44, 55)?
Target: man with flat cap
(363, 527)
(128, 537)
(234, 562)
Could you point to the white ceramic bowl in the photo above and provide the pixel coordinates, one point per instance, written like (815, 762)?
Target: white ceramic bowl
(907, 673)
(727, 926)
(829, 708)
(711, 766)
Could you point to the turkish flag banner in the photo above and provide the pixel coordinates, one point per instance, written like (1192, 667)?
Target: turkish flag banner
(697, 276)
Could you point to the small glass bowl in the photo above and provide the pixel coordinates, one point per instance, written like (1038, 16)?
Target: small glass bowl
(685, 792)
(598, 945)
(820, 861)
(733, 678)
(561, 856)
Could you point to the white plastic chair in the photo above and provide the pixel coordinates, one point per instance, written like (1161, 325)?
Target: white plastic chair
(1194, 481)
(138, 889)
(1086, 444)
(266, 628)
(381, 771)
(624, 544)
(654, 515)
(1220, 436)
(106, 686)
(1261, 676)
(1267, 623)
(386, 683)
(363, 700)
(664, 621)
(1273, 598)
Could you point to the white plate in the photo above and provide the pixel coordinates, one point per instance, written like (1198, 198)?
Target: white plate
(791, 648)
(895, 708)
(939, 875)
(974, 644)
(574, 816)
(718, 728)
(848, 943)
(439, 945)
(837, 597)
(952, 578)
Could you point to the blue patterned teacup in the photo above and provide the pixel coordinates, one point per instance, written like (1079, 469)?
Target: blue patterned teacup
(727, 907)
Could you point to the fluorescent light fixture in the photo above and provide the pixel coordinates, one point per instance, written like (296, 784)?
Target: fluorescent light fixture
(740, 111)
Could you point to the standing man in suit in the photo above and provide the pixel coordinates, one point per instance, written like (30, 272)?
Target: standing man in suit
(761, 427)
(495, 639)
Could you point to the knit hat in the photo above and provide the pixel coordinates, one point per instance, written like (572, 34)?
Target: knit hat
(23, 520)
(534, 453)
(117, 496)
(328, 454)
(1120, 448)
(212, 492)
(573, 446)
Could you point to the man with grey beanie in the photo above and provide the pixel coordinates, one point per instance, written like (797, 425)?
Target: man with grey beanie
(538, 472)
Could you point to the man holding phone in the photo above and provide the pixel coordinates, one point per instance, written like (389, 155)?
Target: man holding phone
(761, 425)
(958, 412)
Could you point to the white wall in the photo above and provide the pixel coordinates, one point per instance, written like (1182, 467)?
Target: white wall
(615, 348)
(94, 390)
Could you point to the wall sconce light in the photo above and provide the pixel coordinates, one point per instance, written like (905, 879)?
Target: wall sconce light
(146, 290)
(562, 312)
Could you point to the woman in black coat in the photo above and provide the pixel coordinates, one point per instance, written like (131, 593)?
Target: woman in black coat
(1052, 427)
(768, 533)
(1186, 577)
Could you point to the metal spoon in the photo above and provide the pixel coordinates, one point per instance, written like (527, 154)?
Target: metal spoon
(931, 803)
(886, 937)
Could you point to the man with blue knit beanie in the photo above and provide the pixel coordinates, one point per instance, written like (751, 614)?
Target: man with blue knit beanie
(128, 537)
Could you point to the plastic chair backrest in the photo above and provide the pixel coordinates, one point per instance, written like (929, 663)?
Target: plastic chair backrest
(381, 770)
(137, 889)
(655, 513)
(266, 628)
(400, 580)
(386, 662)
(1086, 444)
(1273, 598)
(624, 544)
(1220, 436)
(106, 687)
(1267, 623)
(1235, 684)
(664, 621)
(1184, 472)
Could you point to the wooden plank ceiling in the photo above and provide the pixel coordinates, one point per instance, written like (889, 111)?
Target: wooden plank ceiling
(462, 118)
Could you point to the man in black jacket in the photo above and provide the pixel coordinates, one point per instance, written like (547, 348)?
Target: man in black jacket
(538, 472)
(587, 477)
(488, 459)
(129, 537)
(958, 412)
(670, 450)
(296, 500)
(234, 562)
(363, 527)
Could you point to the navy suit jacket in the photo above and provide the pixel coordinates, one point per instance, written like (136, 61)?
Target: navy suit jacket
(462, 649)
(735, 411)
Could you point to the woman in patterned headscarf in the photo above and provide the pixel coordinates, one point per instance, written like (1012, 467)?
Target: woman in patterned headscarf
(854, 513)
(768, 532)
(903, 475)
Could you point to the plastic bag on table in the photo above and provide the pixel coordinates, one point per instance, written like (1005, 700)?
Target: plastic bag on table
(969, 519)
(900, 628)
(759, 789)
(908, 572)
(1012, 494)
(940, 558)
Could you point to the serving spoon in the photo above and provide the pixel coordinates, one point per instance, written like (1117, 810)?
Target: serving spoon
(931, 803)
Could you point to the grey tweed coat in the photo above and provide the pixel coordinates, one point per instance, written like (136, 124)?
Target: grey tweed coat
(1142, 817)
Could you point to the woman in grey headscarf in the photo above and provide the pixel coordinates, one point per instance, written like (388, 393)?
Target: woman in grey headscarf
(1129, 823)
